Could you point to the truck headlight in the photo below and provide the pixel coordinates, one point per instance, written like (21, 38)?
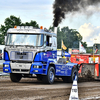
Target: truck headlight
(36, 66)
(6, 65)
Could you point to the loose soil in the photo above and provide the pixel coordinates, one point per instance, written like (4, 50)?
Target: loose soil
(31, 89)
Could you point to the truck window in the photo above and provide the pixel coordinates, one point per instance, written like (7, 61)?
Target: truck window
(46, 40)
(25, 39)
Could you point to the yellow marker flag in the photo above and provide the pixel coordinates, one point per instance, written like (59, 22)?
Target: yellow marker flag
(63, 46)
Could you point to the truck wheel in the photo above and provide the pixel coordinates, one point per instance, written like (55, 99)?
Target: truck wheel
(15, 77)
(49, 78)
(72, 77)
(69, 79)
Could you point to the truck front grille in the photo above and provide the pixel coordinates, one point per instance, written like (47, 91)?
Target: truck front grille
(26, 56)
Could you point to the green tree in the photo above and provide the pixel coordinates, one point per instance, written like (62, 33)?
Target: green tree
(31, 23)
(10, 22)
(70, 37)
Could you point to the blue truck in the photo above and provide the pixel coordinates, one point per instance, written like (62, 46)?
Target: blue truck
(32, 51)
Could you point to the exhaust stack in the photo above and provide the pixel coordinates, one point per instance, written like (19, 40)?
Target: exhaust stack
(55, 30)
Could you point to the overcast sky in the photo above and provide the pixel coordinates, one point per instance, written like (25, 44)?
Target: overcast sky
(41, 11)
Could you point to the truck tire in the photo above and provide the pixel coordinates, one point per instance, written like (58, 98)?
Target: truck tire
(49, 78)
(72, 77)
(15, 77)
(69, 79)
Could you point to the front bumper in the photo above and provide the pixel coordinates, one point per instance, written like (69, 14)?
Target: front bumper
(24, 68)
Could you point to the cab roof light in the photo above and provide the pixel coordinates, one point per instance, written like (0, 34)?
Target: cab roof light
(18, 27)
(41, 27)
(15, 26)
(26, 27)
(30, 27)
(22, 27)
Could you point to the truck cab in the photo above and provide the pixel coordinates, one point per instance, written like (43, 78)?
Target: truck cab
(29, 51)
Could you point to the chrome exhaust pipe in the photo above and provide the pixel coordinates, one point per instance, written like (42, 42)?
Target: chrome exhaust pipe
(55, 30)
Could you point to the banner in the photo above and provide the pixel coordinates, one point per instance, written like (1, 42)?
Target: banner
(73, 50)
(81, 48)
(63, 46)
(96, 48)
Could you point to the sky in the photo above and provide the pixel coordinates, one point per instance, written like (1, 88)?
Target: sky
(41, 11)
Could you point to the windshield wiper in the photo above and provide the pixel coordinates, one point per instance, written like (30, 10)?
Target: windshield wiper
(29, 46)
(21, 46)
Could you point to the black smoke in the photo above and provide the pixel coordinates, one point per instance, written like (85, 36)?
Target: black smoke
(62, 7)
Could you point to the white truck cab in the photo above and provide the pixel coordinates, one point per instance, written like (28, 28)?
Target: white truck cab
(29, 51)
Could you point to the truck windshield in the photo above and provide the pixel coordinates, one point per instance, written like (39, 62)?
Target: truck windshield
(25, 39)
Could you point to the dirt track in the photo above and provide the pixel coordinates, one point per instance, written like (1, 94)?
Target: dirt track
(31, 89)
(1, 68)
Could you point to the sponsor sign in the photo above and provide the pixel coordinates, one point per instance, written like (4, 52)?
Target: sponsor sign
(73, 51)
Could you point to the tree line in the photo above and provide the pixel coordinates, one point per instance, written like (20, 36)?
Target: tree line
(70, 37)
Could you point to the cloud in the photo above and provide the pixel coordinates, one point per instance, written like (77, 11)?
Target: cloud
(90, 33)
